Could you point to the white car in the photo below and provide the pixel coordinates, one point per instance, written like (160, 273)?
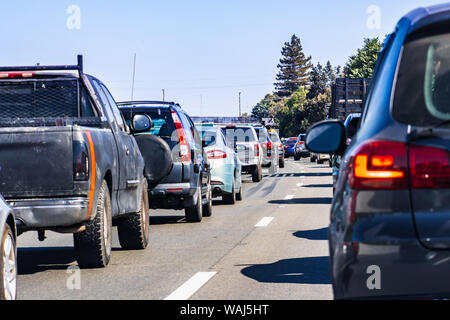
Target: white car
(245, 141)
(225, 165)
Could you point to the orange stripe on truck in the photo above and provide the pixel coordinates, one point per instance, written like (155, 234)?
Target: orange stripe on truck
(92, 189)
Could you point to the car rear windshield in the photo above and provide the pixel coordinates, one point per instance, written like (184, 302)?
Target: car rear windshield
(209, 137)
(162, 122)
(243, 134)
(42, 99)
(422, 93)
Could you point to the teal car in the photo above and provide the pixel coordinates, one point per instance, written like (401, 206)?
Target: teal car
(226, 168)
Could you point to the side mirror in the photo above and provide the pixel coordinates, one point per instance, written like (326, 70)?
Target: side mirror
(141, 123)
(327, 137)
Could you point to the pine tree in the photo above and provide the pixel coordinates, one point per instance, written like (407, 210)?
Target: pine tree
(363, 63)
(294, 68)
(319, 79)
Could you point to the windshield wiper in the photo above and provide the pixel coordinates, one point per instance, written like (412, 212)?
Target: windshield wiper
(430, 132)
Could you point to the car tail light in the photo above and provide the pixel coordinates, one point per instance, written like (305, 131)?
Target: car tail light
(16, 75)
(379, 165)
(185, 152)
(385, 165)
(257, 149)
(280, 146)
(80, 161)
(216, 154)
(429, 167)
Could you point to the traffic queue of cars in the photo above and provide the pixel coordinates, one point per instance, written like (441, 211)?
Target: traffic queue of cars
(389, 233)
(75, 161)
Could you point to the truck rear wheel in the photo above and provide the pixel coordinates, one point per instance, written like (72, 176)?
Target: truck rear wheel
(195, 212)
(134, 229)
(93, 246)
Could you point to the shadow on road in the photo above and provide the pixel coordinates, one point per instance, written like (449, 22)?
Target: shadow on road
(35, 260)
(319, 186)
(318, 234)
(157, 220)
(303, 201)
(296, 175)
(300, 270)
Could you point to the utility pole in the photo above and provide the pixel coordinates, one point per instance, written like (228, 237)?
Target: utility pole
(240, 104)
(164, 95)
(134, 73)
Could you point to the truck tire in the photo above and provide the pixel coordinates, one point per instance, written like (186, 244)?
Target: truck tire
(134, 229)
(93, 246)
(230, 198)
(195, 213)
(8, 265)
(257, 174)
(207, 208)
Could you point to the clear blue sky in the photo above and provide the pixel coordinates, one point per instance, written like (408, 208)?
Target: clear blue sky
(202, 52)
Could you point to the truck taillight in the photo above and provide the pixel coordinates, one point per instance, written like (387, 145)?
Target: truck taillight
(16, 75)
(185, 152)
(379, 165)
(80, 161)
(257, 149)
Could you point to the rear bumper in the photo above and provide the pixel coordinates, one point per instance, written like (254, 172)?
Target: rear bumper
(49, 213)
(172, 196)
(406, 270)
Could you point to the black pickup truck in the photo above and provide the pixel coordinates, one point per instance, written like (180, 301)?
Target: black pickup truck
(68, 161)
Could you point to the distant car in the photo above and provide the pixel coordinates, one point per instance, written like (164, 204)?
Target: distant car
(269, 149)
(245, 141)
(225, 165)
(279, 146)
(300, 150)
(320, 158)
(8, 253)
(176, 168)
(389, 232)
(289, 145)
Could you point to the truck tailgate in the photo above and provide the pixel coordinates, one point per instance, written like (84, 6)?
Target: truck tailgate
(36, 162)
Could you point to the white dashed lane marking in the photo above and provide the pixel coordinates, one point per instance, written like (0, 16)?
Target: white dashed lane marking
(191, 286)
(264, 222)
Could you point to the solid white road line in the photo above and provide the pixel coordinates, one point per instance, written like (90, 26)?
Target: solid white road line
(264, 222)
(289, 197)
(191, 286)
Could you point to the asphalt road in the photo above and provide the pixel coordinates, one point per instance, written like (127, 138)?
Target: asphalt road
(270, 246)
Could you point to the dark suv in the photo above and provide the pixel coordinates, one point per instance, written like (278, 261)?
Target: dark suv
(176, 168)
(389, 234)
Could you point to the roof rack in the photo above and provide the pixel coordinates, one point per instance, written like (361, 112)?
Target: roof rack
(125, 103)
(78, 67)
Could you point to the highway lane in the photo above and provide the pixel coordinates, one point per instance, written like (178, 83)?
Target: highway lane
(272, 245)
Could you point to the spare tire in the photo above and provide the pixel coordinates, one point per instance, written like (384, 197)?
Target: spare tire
(157, 157)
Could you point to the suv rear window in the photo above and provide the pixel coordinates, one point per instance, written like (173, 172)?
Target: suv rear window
(422, 94)
(39, 99)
